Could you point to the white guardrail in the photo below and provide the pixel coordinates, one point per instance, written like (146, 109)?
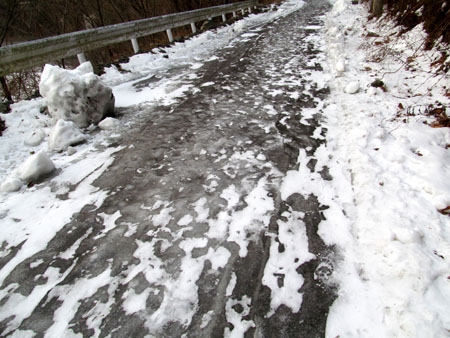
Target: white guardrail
(25, 55)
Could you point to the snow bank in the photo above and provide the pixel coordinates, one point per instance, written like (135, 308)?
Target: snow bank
(76, 95)
(394, 277)
(63, 135)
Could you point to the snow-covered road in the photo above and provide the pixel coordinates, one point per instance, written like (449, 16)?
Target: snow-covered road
(205, 224)
(256, 183)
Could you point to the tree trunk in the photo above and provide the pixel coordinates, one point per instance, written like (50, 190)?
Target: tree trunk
(377, 7)
(5, 89)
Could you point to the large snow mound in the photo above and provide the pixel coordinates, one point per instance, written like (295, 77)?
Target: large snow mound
(76, 95)
(63, 135)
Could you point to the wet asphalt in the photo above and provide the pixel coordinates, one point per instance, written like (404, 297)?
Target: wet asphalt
(180, 159)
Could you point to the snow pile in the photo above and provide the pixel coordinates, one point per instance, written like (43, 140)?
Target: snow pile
(63, 135)
(34, 168)
(394, 277)
(76, 95)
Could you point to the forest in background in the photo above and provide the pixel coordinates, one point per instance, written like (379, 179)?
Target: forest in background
(434, 14)
(25, 20)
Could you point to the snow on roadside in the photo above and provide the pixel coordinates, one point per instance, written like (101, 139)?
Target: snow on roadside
(394, 278)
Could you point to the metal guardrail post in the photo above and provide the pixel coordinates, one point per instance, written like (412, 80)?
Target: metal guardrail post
(135, 44)
(169, 35)
(194, 29)
(81, 58)
(234, 15)
(224, 19)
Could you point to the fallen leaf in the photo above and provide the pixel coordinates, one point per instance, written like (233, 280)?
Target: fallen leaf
(445, 211)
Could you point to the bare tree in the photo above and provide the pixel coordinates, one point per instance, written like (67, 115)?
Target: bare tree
(10, 12)
(377, 7)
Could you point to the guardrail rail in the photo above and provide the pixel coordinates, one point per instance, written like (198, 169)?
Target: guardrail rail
(25, 55)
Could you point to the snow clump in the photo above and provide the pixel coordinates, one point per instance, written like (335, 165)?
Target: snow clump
(35, 138)
(109, 123)
(76, 95)
(35, 167)
(352, 87)
(11, 184)
(63, 135)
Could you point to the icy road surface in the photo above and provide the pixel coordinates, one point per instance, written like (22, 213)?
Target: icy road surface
(207, 226)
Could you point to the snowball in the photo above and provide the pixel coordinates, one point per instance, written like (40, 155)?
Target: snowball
(36, 166)
(63, 135)
(76, 95)
(35, 138)
(340, 66)
(352, 87)
(261, 157)
(11, 185)
(109, 123)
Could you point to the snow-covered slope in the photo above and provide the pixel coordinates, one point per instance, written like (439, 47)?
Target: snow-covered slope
(395, 274)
